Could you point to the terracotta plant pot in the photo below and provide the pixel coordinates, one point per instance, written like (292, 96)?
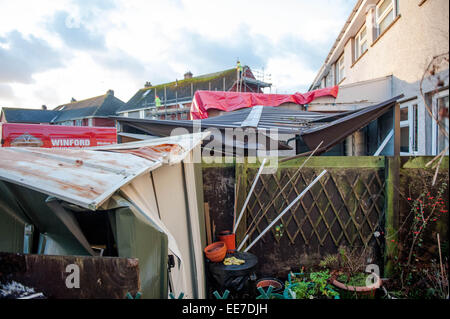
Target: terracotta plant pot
(361, 289)
(216, 251)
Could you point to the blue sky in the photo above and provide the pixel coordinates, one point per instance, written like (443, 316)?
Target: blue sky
(53, 50)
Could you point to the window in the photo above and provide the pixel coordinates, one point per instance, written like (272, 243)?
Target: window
(328, 80)
(440, 112)
(134, 114)
(409, 128)
(90, 122)
(361, 42)
(340, 71)
(386, 12)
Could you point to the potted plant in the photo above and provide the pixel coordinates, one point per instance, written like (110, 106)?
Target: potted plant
(314, 285)
(350, 272)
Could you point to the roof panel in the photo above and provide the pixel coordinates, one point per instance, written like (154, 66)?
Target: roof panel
(88, 177)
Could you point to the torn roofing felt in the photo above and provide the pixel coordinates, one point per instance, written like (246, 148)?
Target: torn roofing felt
(311, 127)
(89, 177)
(232, 101)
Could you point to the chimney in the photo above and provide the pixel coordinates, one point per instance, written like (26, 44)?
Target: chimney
(72, 100)
(110, 92)
(44, 107)
(148, 84)
(188, 75)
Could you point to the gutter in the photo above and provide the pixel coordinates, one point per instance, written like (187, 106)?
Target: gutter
(336, 42)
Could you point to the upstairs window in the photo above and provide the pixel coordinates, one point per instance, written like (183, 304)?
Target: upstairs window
(386, 12)
(361, 42)
(340, 70)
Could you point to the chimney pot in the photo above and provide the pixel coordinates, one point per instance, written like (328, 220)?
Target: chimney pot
(110, 92)
(148, 84)
(73, 100)
(188, 75)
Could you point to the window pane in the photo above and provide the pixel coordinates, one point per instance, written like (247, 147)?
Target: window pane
(404, 139)
(415, 128)
(386, 21)
(442, 110)
(382, 8)
(404, 113)
(363, 33)
(363, 47)
(134, 114)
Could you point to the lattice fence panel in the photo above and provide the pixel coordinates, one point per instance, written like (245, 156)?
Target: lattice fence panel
(345, 207)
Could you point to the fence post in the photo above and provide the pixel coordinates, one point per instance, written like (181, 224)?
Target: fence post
(392, 208)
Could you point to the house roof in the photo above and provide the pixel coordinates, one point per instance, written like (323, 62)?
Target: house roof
(22, 115)
(342, 38)
(103, 105)
(99, 106)
(180, 90)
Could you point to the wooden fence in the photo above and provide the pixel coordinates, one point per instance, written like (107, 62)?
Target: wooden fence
(355, 204)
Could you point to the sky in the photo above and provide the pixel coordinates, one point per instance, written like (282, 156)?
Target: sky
(53, 50)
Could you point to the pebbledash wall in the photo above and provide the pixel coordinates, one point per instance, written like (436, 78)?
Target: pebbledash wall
(399, 54)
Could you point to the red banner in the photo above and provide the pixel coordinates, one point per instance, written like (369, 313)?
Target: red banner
(55, 136)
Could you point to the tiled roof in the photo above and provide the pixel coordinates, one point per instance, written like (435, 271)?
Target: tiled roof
(21, 115)
(99, 106)
(181, 89)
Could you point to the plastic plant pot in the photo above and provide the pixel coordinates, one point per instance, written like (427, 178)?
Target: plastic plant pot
(229, 239)
(266, 282)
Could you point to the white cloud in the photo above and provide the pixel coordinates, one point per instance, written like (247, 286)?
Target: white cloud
(121, 44)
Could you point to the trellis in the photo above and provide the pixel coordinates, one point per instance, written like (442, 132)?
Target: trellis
(346, 207)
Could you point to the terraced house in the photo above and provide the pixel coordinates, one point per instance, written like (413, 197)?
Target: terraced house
(94, 111)
(176, 97)
(384, 50)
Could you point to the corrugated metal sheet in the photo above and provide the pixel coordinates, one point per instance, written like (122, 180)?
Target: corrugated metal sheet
(88, 177)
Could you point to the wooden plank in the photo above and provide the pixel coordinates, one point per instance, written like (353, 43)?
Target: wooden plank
(208, 225)
(99, 277)
(337, 162)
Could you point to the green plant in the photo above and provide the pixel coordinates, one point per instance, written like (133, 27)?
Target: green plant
(330, 261)
(417, 274)
(316, 286)
(356, 280)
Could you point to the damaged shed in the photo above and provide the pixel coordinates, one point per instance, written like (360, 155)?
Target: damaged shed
(136, 200)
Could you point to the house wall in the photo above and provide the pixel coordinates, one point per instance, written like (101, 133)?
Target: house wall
(402, 53)
(102, 122)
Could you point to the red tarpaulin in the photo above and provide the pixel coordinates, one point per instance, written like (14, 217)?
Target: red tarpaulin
(232, 101)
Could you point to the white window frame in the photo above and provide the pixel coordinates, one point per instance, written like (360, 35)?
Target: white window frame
(434, 125)
(380, 18)
(359, 41)
(90, 122)
(410, 123)
(340, 69)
